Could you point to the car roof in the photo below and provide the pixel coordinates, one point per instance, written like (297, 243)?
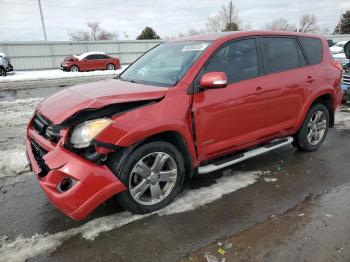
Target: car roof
(84, 55)
(229, 35)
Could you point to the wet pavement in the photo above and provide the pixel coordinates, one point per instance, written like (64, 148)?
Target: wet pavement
(284, 205)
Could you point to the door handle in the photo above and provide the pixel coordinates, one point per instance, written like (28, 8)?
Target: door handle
(259, 89)
(310, 79)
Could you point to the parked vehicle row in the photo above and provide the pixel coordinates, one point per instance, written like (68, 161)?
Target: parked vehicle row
(90, 61)
(346, 73)
(5, 65)
(188, 106)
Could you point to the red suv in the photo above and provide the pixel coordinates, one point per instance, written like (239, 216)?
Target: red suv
(188, 106)
(90, 61)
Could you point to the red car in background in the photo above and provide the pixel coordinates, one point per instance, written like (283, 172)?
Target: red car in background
(90, 61)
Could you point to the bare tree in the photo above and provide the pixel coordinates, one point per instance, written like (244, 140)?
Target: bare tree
(227, 18)
(93, 32)
(308, 23)
(280, 24)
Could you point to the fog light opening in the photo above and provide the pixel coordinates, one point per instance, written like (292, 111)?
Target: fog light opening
(65, 185)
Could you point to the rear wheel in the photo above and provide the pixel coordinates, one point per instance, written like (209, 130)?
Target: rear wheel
(74, 68)
(154, 174)
(314, 129)
(2, 72)
(110, 67)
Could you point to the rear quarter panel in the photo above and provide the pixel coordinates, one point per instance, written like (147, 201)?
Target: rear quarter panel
(328, 79)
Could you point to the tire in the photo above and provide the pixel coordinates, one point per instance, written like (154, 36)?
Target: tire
(74, 68)
(143, 181)
(2, 72)
(110, 67)
(311, 135)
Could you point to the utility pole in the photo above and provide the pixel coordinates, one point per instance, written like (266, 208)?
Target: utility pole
(42, 20)
(299, 17)
(231, 7)
(341, 12)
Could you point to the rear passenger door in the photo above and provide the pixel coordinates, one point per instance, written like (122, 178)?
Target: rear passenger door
(289, 82)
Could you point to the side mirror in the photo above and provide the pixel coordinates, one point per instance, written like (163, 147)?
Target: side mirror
(347, 50)
(214, 80)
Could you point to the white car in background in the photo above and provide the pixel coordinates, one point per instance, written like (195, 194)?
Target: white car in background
(341, 58)
(338, 47)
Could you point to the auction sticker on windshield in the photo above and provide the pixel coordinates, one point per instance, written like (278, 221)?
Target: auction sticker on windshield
(199, 47)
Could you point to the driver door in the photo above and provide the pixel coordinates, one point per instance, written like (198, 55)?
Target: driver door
(233, 116)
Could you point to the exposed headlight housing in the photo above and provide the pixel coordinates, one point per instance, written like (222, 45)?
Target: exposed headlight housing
(85, 132)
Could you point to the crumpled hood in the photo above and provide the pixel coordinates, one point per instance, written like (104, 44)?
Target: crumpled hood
(65, 103)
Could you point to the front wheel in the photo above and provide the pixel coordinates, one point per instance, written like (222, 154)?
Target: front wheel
(74, 68)
(314, 129)
(154, 175)
(2, 72)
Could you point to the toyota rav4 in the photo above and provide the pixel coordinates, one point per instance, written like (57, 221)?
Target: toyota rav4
(188, 106)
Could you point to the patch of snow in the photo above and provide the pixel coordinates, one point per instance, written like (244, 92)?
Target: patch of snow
(55, 74)
(342, 119)
(193, 199)
(84, 55)
(17, 112)
(270, 179)
(23, 248)
(13, 162)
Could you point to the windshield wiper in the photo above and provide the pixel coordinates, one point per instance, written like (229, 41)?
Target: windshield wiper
(127, 80)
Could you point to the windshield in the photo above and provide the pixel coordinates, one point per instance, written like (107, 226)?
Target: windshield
(165, 64)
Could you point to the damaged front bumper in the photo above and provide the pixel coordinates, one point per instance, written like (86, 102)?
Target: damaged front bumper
(88, 186)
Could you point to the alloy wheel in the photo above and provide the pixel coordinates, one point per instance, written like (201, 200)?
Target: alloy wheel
(153, 178)
(110, 67)
(74, 69)
(316, 128)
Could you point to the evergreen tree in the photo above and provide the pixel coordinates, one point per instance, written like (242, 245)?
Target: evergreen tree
(148, 33)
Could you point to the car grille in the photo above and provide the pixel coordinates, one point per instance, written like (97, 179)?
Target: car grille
(44, 128)
(38, 153)
(346, 79)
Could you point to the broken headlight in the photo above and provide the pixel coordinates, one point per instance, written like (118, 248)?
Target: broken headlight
(85, 132)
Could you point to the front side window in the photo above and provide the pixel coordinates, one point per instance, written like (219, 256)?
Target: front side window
(280, 54)
(90, 57)
(238, 60)
(165, 64)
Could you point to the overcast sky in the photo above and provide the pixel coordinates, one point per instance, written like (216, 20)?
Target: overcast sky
(20, 20)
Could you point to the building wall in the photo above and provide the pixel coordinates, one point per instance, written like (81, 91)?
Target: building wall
(339, 38)
(49, 55)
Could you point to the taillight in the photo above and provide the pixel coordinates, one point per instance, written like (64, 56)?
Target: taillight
(338, 65)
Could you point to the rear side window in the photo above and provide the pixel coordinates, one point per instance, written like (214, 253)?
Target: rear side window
(102, 57)
(238, 60)
(312, 48)
(280, 54)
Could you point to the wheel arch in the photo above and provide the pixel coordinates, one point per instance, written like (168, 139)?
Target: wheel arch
(172, 137)
(327, 98)
(74, 65)
(179, 142)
